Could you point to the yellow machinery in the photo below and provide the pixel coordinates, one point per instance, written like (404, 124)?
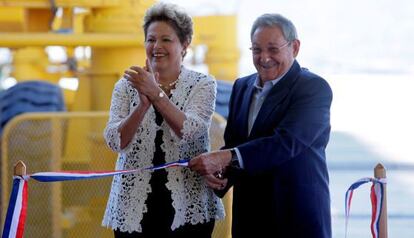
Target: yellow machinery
(72, 208)
(73, 141)
(219, 34)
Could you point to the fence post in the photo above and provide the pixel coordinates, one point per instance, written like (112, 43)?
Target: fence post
(19, 168)
(380, 173)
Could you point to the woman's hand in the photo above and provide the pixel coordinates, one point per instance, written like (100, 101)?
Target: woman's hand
(134, 79)
(144, 80)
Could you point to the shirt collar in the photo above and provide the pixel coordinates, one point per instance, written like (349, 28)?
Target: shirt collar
(269, 84)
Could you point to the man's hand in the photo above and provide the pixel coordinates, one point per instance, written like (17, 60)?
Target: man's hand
(214, 182)
(212, 166)
(211, 163)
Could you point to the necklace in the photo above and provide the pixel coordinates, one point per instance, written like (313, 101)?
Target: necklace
(169, 86)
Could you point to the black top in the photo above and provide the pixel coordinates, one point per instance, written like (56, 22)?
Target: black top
(159, 217)
(160, 212)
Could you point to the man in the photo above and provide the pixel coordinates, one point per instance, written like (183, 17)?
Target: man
(277, 131)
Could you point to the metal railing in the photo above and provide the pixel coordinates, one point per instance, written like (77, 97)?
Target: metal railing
(70, 141)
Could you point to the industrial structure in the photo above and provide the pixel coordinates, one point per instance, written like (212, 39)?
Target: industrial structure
(100, 39)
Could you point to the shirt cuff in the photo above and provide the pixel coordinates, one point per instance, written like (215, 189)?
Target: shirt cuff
(239, 157)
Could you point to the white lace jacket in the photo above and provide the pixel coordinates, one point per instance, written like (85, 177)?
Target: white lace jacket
(193, 202)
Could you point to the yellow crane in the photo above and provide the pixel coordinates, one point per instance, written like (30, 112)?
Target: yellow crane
(112, 30)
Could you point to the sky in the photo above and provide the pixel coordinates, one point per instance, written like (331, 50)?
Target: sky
(345, 36)
(364, 49)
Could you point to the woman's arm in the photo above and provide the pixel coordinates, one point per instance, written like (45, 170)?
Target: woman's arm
(171, 114)
(145, 83)
(197, 114)
(123, 123)
(129, 126)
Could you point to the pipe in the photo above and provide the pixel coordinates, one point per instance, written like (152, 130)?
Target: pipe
(58, 3)
(104, 40)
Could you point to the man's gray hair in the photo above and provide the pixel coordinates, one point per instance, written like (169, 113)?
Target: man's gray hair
(276, 20)
(175, 16)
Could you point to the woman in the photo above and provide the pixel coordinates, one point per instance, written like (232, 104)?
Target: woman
(161, 113)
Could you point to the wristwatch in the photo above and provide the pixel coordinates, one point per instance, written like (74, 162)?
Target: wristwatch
(161, 94)
(234, 162)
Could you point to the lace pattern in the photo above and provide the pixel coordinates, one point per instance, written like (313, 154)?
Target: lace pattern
(193, 202)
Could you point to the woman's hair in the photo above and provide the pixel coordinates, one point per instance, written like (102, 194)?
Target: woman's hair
(276, 20)
(172, 14)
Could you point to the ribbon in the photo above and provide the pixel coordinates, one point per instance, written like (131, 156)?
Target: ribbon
(80, 175)
(16, 212)
(377, 197)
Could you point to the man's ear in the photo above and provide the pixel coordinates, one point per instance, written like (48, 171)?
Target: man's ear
(295, 47)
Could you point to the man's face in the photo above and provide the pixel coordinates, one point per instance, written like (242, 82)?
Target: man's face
(272, 54)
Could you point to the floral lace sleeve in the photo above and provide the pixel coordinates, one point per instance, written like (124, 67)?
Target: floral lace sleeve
(120, 108)
(198, 111)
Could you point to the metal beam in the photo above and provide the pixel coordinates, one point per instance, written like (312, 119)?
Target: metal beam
(104, 40)
(59, 3)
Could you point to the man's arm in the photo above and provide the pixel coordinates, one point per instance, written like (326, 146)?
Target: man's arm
(305, 121)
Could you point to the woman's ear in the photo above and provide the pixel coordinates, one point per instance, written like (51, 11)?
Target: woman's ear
(185, 46)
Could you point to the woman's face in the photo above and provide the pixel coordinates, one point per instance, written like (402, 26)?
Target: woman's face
(163, 47)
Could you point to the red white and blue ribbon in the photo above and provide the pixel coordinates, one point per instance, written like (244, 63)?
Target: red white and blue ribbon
(182, 163)
(16, 213)
(377, 197)
(80, 175)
